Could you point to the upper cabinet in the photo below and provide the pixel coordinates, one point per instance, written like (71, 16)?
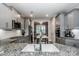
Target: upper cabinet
(6, 17)
(73, 19)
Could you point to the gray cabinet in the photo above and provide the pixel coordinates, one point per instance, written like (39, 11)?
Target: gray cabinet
(68, 41)
(72, 42)
(60, 40)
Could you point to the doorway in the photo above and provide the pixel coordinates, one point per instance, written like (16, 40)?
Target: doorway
(41, 30)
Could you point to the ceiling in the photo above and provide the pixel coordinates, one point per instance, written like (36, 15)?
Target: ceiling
(39, 10)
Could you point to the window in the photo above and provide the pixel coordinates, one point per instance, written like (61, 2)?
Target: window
(40, 29)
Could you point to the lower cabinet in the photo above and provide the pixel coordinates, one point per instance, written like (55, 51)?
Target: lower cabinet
(60, 41)
(71, 42)
(68, 41)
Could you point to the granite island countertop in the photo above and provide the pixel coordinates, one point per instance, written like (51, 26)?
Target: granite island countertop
(14, 49)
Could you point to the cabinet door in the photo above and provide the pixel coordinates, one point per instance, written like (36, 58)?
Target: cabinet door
(71, 21)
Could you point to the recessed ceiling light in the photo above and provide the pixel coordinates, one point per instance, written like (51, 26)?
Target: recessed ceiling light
(18, 16)
(31, 15)
(46, 15)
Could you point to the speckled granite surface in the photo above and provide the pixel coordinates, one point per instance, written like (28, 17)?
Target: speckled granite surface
(14, 49)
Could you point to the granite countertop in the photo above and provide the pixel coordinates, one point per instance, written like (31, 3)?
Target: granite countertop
(14, 49)
(71, 39)
(68, 38)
